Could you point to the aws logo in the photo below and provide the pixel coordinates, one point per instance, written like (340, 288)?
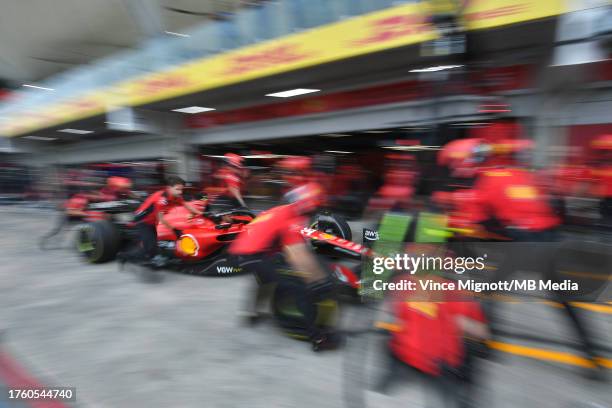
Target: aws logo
(370, 235)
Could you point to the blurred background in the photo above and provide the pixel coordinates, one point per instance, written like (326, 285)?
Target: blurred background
(169, 86)
(370, 90)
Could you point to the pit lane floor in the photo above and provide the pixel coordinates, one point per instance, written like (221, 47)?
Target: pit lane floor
(125, 343)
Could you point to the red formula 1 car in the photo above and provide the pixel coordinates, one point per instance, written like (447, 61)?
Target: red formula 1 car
(201, 250)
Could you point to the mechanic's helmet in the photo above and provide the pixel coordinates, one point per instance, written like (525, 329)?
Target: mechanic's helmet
(295, 169)
(305, 198)
(234, 160)
(464, 156)
(119, 184)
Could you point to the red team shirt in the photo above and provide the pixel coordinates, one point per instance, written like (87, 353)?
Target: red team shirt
(229, 179)
(514, 198)
(429, 333)
(270, 232)
(158, 202)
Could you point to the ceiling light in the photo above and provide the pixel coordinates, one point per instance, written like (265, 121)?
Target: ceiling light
(436, 68)
(377, 131)
(335, 135)
(293, 92)
(338, 152)
(43, 138)
(118, 124)
(76, 131)
(409, 148)
(265, 156)
(44, 88)
(177, 34)
(193, 109)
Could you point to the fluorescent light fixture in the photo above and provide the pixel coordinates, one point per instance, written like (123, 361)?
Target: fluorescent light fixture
(411, 148)
(293, 92)
(44, 88)
(338, 152)
(42, 138)
(177, 34)
(335, 135)
(265, 156)
(193, 109)
(436, 68)
(377, 131)
(118, 124)
(76, 131)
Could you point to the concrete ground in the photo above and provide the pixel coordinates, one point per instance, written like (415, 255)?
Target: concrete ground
(126, 343)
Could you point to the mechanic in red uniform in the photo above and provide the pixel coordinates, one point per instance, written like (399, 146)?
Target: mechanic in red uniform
(152, 211)
(600, 176)
(295, 171)
(509, 198)
(437, 335)
(399, 183)
(115, 188)
(231, 177)
(274, 241)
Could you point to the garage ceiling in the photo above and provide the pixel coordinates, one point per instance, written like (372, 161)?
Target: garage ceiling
(40, 38)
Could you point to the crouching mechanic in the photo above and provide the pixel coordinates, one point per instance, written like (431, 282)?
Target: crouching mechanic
(152, 211)
(273, 244)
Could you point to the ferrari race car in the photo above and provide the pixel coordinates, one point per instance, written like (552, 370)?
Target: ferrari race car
(200, 250)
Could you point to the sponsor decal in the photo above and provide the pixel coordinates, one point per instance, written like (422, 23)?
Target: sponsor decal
(161, 83)
(522, 192)
(308, 231)
(370, 235)
(497, 12)
(282, 54)
(391, 28)
(226, 270)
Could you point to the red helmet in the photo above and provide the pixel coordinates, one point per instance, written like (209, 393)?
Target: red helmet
(234, 160)
(463, 156)
(461, 151)
(116, 183)
(305, 198)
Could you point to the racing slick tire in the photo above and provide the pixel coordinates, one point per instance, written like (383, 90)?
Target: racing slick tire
(332, 224)
(288, 315)
(98, 241)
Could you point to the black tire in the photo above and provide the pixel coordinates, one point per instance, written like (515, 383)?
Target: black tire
(98, 241)
(332, 224)
(288, 315)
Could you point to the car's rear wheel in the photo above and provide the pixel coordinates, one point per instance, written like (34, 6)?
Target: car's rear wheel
(332, 224)
(98, 241)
